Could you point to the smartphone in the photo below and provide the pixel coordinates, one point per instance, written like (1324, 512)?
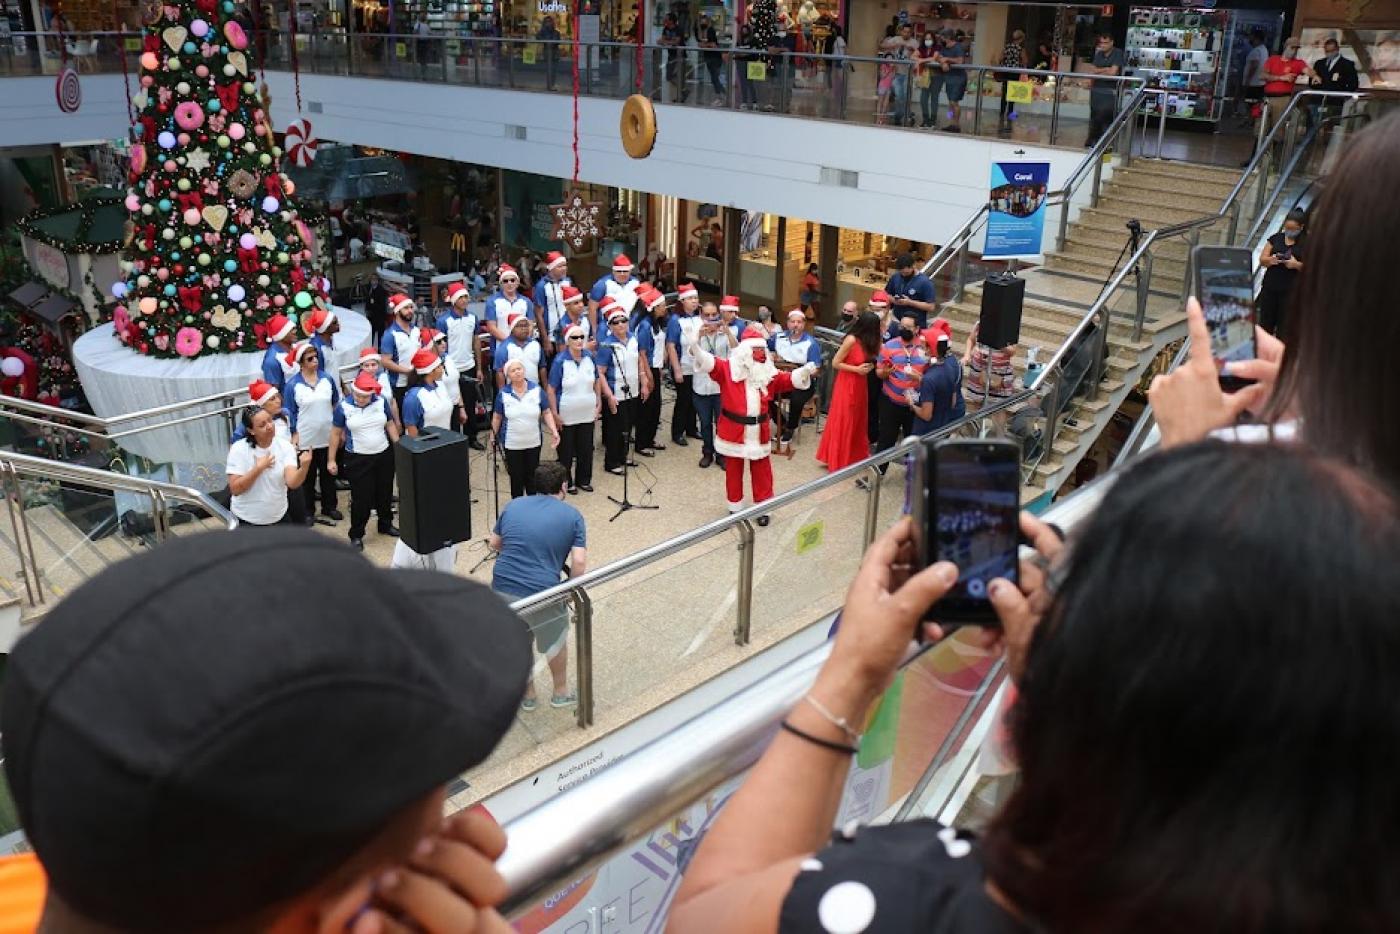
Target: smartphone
(967, 512)
(1225, 289)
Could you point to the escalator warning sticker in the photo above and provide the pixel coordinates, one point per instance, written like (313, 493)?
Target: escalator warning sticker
(809, 536)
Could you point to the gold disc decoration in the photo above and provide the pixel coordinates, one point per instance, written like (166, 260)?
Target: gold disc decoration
(638, 126)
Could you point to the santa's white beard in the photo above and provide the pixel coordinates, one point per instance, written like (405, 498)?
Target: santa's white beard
(745, 369)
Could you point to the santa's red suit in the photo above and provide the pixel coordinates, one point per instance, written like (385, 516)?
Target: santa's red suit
(748, 380)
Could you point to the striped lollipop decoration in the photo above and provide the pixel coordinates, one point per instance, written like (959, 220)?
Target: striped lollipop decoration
(301, 144)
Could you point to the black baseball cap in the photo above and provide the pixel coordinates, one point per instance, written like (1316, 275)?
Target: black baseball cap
(207, 730)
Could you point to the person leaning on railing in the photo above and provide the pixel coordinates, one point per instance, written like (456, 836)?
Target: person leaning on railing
(1327, 387)
(1204, 673)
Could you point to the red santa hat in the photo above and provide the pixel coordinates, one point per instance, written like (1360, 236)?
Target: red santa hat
(426, 360)
(880, 299)
(622, 263)
(729, 303)
(571, 294)
(618, 313)
(507, 270)
(260, 391)
(753, 336)
(607, 303)
(514, 318)
(398, 301)
(369, 353)
(652, 298)
(279, 327)
(555, 258)
(297, 352)
(457, 290)
(366, 383)
(687, 290)
(576, 330)
(426, 336)
(938, 327)
(317, 321)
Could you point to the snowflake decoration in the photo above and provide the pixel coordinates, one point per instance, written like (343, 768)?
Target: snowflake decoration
(576, 220)
(198, 160)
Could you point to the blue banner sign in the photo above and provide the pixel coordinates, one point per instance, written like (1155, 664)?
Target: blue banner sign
(1016, 210)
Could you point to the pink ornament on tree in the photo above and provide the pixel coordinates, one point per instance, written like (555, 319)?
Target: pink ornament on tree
(187, 342)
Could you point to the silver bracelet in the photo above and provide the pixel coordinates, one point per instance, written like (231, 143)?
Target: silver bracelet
(840, 723)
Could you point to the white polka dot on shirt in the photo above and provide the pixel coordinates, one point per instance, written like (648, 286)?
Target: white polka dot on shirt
(846, 908)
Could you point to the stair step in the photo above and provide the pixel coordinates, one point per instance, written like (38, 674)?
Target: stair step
(1163, 311)
(1111, 217)
(1167, 275)
(1173, 169)
(1108, 257)
(65, 553)
(1151, 213)
(1209, 193)
(1112, 233)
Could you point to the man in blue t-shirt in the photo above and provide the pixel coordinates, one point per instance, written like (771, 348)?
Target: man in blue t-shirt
(939, 398)
(536, 538)
(911, 293)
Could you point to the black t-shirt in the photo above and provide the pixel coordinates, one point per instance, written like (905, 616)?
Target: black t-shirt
(916, 876)
(1280, 278)
(708, 34)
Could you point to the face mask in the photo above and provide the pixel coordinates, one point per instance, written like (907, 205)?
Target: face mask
(1291, 234)
(1290, 53)
(848, 316)
(928, 42)
(906, 334)
(765, 315)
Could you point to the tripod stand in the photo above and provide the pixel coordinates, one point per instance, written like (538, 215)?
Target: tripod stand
(495, 501)
(629, 433)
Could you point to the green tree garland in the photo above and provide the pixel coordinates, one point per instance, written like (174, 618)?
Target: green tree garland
(215, 244)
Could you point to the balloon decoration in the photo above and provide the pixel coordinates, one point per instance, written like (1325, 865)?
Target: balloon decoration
(216, 244)
(301, 144)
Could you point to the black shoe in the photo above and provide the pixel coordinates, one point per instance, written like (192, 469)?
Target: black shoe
(390, 529)
(695, 434)
(615, 471)
(309, 521)
(763, 521)
(658, 447)
(335, 515)
(646, 452)
(633, 464)
(586, 487)
(573, 491)
(342, 484)
(358, 544)
(719, 460)
(476, 445)
(706, 461)
(680, 442)
(786, 438)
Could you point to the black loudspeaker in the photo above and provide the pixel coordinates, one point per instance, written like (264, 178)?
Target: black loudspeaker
(435, 496)
(1000, 324)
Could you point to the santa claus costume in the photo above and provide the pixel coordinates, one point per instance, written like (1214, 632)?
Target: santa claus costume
(748, 380)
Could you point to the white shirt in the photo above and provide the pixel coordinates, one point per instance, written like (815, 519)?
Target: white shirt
(717, 344)
(521, 416)
(799, 353)
(451, 376)
(364, 427)
(461, 339)
(579, 398)
(313, 408)
(1259, 55)
(498, 309)
(626, 384)
(435, 402)
(406, 344)
(265, 502)
(529, 354)
(658, 346)
(554, 301)
(690, 330)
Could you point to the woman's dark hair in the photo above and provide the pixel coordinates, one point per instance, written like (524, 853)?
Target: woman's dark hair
(811, 267)
(246, 417)
(866, 330)
(1201, 715)
(1345, 395)
(1297, 216)
(416, 379)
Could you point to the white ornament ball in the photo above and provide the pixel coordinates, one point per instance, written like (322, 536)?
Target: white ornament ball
(167, 234)
(203, 259)
(191, 217)
(143, 281)
(265, 159)
(277, 150)
(228, 71)
(147, 209)
(282, 258)
(183, 87)
(212, 340)
(264, 281)
(249, 147)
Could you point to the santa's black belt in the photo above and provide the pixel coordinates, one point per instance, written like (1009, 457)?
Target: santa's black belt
(742, 419)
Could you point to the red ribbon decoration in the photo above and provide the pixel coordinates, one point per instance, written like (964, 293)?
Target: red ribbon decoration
(296, 65)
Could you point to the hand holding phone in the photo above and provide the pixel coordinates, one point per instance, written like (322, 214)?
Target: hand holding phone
(966, 512)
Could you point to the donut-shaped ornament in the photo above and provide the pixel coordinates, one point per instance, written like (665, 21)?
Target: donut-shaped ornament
(189, 115)
(638, 126)
(235, 35)
(301, 143)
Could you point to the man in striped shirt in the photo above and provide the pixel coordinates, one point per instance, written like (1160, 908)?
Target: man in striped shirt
(901, 370)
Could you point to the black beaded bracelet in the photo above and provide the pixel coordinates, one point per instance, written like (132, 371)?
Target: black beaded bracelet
(818, 741)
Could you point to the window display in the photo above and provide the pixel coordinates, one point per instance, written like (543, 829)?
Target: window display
(1183, 51)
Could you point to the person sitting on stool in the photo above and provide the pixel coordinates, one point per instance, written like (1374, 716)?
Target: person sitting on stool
(534, 538)
(791, 349)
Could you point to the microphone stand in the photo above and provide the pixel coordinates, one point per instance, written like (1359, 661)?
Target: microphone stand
(495, 500)
(624, 504)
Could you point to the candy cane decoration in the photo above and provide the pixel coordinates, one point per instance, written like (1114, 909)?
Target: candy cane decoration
(301, 145)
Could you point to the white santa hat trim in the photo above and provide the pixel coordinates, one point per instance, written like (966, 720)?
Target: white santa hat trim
(326, 324)
(556, 259)
(688, 291)
(394, 308)
(576, 330)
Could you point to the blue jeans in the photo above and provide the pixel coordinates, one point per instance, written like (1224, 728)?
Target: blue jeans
(708, 409)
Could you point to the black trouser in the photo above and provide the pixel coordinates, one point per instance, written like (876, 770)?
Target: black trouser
(371, 479)
(296, 508)
(713, 65)
(319, 474)
(874, 389)
(707, 409)
(400, 391)
(521, 467)
(894, 419)
(1271, 305)
(683, 418)
(796, 401)
(1100, 115)
(649, 416)
(470, 395)
(576, 453)
(1008, 107)
(615, 428)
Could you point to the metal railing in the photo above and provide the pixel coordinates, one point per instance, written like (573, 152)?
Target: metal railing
(557, 841)
(15, 468)
(813, 86)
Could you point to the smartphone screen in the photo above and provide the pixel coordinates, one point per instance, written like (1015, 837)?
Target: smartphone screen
(972, 500)
(1225, 289)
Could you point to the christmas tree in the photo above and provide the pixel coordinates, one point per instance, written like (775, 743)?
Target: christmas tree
(215, 244)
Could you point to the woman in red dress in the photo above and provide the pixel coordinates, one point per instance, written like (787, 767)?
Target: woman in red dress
(845, 440)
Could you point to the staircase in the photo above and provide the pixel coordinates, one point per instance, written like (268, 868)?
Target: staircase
(1059, 293)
